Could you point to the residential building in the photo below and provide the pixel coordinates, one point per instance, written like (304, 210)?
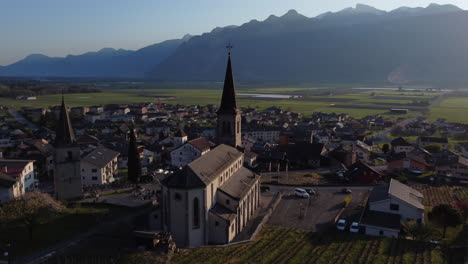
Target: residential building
(99, 167)
(189, 151)
(401, 145)
(20, 170)
(360, 172)
(425, 141)
(388, 206)
(10, 188)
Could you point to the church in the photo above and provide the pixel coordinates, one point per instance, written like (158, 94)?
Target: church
(211, 199)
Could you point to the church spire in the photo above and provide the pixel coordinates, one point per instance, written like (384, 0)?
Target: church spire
(228, 101)
(64, 134)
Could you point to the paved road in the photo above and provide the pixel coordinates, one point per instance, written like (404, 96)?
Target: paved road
(21, 119)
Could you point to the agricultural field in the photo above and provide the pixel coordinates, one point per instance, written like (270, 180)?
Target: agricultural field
(434, 196)
(286, 245)
(453, 109)
(357, 103)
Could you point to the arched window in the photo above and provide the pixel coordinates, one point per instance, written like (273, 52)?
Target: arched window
(196, 213)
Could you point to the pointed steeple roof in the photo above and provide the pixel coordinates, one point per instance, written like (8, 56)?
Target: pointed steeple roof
(180, 133)
(64, 134)
(228, 101)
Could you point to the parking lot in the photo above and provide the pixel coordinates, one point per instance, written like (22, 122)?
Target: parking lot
(318, 212)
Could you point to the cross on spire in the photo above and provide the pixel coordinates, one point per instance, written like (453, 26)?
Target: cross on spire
(229, 48)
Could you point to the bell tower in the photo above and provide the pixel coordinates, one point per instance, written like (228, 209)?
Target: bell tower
(229, 117)
(67, 174)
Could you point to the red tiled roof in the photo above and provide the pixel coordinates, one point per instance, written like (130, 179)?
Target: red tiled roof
(200, 143)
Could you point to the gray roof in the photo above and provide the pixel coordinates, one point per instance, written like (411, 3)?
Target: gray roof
(381, 219)
(406, 193)
(223, 212)
(398, 190)
(210, 165)
(379, 193)
(101, 156)
(183, 179)
(202, 171)
(239, 183)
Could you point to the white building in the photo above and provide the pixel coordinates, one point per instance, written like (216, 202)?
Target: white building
(17, 177)
(10, 188)
(189, 151)
(388, 206)
(99, 167)
(271, 136)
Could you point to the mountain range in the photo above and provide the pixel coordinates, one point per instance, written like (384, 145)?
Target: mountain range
(360, 44)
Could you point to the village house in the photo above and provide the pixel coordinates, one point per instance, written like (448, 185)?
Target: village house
(20, 170)
(453, 170)
(10, 187)
(425, 141)
(362, 173)
(189, 151)
(99, 167)
(388, 206)
(401, 145)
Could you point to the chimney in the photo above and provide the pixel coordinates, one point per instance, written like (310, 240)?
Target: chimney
(5, 169)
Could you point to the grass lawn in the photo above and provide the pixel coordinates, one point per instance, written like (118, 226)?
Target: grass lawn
(285, 245)
(70, 222)
(452, 109)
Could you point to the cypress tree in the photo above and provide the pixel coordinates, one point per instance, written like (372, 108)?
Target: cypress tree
(134, 163)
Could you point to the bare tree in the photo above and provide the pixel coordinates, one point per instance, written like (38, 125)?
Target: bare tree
(30, 209)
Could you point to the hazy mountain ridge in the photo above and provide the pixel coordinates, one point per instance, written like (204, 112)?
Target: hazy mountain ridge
(360, 45)
(106, 62)
(355, 44)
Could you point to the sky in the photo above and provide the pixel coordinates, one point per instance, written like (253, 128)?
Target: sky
(61, 27)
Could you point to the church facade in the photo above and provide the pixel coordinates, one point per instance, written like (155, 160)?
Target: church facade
(211, 199)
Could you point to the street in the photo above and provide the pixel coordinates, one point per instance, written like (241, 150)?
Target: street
(21, 119)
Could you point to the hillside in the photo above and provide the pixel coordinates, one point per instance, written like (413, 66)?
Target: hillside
(357, 45)
(106, 62)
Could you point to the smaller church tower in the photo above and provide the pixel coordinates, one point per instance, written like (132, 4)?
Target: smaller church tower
(229, 117)
(67, 174)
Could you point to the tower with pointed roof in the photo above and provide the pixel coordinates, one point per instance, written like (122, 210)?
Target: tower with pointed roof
(67, 173)
(229, 117)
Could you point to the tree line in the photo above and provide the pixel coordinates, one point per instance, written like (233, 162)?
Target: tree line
(30, 88)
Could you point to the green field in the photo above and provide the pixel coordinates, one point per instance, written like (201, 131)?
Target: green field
(285, 245)
(452, 108)
(357, 103)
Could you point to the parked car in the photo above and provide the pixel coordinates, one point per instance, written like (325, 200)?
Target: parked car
(310, 191)
(346, 190)
(341, 224)
(301, 193)
(354, 228)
